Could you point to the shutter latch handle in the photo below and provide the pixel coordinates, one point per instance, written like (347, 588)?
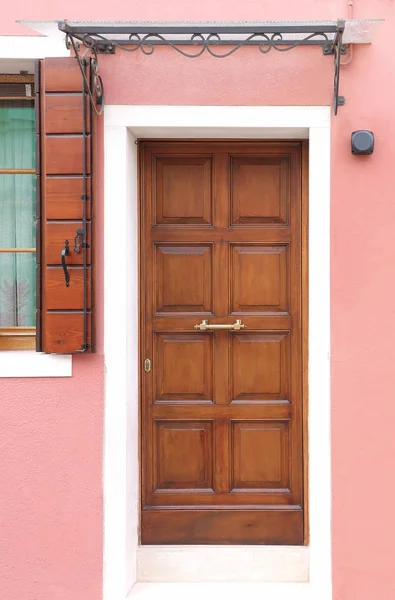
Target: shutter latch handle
(65, 252)
(79, 241)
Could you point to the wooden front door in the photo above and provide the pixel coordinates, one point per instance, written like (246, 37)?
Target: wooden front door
(221, 409)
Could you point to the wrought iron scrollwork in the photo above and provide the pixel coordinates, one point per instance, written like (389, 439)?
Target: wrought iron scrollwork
(209, 43)
(94, 88)
(193, 42)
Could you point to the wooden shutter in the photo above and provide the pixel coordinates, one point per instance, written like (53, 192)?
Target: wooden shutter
(64, 246)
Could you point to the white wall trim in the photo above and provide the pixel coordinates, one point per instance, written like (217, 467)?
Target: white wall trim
(31, 47)
(25, 363)
(230, 591)
(122, 555)
(161, 564)
(253, 118)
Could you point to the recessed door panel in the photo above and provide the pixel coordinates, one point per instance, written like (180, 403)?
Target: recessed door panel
(260, 455)
(183, 278)
(183, 455)
(184, 367)
(259, 366)
(183, 194)
(259, 278)
(260, 190)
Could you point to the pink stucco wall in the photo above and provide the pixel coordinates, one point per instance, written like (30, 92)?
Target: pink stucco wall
(51, 430)
(50, 492)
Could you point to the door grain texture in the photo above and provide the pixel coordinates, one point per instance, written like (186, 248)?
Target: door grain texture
(221, 410)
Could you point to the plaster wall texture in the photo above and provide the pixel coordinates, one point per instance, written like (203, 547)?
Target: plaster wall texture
(51, 431)
(50, 493)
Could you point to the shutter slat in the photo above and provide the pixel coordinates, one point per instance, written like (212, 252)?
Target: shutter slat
(59, 297)
(62, 75)
(64, 115)
(65, 310)
(64, 195)
(63, 332)
(64, 156)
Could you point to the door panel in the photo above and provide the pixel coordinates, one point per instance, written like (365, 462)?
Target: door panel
(183, 276)
(260, 190)
(221, 410)
(223, 526)
(183, 190)
(184, 455)
(183, 367)
(268, 440)
(259, 278)
(259, 367)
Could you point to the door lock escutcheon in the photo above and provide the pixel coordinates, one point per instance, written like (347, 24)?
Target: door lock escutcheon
(147, 365)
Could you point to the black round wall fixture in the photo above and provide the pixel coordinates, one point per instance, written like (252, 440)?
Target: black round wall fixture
(362, 142)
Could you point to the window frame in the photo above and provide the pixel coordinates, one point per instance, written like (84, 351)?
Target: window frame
(15, 337)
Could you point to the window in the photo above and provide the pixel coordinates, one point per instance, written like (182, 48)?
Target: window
(55, 289)
(17, 213)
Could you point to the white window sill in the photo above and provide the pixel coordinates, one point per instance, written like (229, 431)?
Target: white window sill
(33, 364)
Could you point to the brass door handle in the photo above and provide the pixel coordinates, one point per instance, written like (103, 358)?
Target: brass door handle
(204, 325)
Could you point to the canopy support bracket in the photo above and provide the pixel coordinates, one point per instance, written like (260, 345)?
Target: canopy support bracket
(337, 48)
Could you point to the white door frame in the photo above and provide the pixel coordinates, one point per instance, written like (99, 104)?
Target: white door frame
(270, 572)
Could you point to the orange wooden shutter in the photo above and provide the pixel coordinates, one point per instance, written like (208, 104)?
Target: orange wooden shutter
(64, 246)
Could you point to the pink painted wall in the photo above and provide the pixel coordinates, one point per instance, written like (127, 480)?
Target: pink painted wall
(50, 492)
(52, 430)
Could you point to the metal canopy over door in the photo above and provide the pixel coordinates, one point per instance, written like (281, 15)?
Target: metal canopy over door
(221, 414)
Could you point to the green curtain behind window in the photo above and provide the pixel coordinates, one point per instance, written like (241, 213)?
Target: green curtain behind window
(17, 216)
